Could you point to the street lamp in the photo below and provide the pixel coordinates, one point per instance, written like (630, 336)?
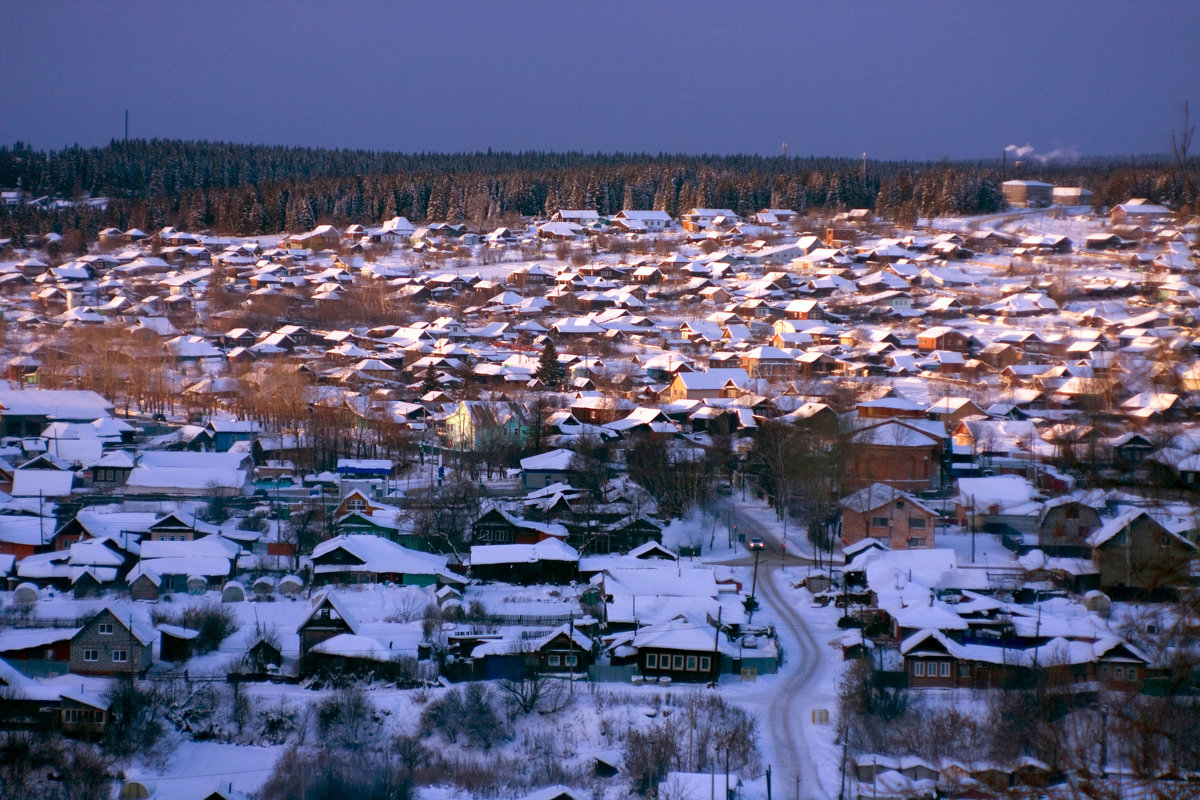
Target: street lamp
(756, 544)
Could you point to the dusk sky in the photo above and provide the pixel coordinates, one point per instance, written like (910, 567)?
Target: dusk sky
(917, 80)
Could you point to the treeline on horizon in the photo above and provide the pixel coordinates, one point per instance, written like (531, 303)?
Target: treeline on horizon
(257, 189)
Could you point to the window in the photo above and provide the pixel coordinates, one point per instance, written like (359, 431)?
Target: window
(71, 715)
(357, 504)
(917, 522)
(120, 656)
(91, 655)
(964, 670)
(705, 663)
(105, 628)
(899, 504)
(1164, 541)
(945, 669)
(571, 661)
(919, 669)
(1132, 674)
(553, 661)
(651, 660)
(691, 663)
(677, 662)
(916, 541)
(879, 522)
(1119, 673)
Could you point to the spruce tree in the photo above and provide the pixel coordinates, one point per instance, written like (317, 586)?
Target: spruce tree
(549, 371)
(430, 382)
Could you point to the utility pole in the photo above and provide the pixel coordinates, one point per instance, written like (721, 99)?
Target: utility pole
(127, 124)
(972, 529)
(757, 548)
(716, 668)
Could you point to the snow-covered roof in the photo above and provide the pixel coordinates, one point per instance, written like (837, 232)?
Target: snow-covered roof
(378, 555)
(160, 469)
(554, 461)
(545, 550)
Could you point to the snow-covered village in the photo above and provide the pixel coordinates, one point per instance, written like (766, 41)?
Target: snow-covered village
(554, 476)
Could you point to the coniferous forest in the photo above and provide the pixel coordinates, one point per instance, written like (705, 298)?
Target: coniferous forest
(255, 189)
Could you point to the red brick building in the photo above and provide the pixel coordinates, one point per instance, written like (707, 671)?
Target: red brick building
(882, 512)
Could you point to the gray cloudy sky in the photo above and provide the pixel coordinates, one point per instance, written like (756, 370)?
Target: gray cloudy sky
(916, 80)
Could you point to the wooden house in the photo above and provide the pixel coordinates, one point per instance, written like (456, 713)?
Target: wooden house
(328, 618)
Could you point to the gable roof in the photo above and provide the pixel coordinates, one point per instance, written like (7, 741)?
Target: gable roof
(338, 607)
(880, 494)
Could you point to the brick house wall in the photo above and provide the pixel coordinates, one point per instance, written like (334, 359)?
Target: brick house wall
(907, 468)
(902, 524)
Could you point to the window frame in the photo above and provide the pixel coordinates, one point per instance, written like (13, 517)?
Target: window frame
(705, 664)
(91, 654)
(651, 660)
(918, 668)
(120, 656)
(944, 669)
(879, 522)
(105, 628)
(692, 663)
(553, 660)
(677, 663)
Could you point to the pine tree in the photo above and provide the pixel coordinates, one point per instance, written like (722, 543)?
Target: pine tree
(549, 371)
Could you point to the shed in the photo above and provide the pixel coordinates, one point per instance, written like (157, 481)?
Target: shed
(175, 643)
(233, 592)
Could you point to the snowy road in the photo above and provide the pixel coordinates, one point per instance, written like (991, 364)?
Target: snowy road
(788, 704)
